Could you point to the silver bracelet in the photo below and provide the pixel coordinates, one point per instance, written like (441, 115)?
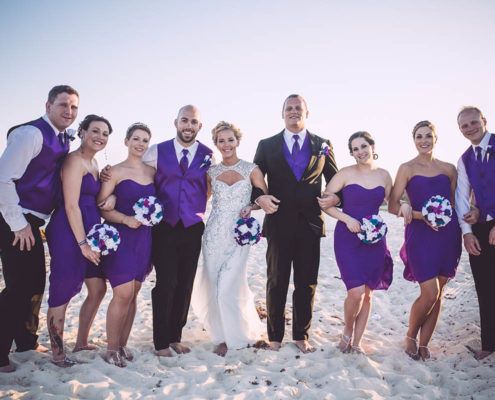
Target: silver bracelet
(82, 242)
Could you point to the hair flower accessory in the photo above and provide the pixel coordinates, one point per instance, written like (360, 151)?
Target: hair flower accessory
(373, 229)
(103, 238)
(206, 162)
(247, 231)
(324, 151)
(148, 210)
(437, 210)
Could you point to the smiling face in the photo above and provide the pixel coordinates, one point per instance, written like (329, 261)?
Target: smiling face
(63, 111)
(362, 151)
(227, 144)
(295, 114)
(138, 143)
(472, 125)
(96, 136)
(188, 125)
(425, 139)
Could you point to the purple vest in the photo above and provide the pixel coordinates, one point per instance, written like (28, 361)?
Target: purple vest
(183, 196)
(299, 165)
(482, 179)
(39, 189)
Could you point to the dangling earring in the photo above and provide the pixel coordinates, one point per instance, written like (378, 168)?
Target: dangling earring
(375, 156)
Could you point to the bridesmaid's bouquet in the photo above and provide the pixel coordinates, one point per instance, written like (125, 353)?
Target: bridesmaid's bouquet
(247, 231)
(373, 229)
(103, 238)
(437, 211)
(149, 211)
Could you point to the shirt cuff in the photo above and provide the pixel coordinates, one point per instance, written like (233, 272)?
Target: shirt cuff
(17, 223)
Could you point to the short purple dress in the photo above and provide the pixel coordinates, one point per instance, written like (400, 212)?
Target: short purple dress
(427, 253)
(360, 263)
(68, 266)
(132, 260)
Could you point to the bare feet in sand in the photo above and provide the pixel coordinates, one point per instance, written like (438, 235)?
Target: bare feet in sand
(221, 349)
(85, 347)
(180, 348)
(411, 348)
(482, 354)
(424, 352)
(7, 368)
(164, 352)
(274, 346)
(304, 346)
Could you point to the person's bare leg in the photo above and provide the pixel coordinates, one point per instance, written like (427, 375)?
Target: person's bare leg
(362, 318)
(55, 321)
(352, 307)
(129, 320)
(96, 291)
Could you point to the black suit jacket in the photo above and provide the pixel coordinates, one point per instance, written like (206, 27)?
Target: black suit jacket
(295, 197)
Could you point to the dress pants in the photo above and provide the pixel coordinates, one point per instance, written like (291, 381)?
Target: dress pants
(483, 268)
(20, 301)
(298, 248)
(175, 256)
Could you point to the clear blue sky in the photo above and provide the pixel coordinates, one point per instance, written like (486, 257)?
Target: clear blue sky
(379, 66)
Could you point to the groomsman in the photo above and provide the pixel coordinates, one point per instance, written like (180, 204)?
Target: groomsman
(294, 161)
(29, 190)
(181, 184)
(476, 175)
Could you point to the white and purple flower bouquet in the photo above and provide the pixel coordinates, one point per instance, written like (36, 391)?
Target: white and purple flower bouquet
(247, 231)
(437, 211)
(373, 229)
(148, 210)
(103, 238)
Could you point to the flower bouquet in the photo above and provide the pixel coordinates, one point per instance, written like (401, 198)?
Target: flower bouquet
(103, 238)
(247, 231)
(148, 210)
(437, 211)
(373, 229)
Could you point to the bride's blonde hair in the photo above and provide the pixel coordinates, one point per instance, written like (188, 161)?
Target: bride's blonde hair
(223, 126)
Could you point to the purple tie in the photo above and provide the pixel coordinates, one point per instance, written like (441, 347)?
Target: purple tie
(479, 159)
(183, 161)
(295, 148)
(61, 138)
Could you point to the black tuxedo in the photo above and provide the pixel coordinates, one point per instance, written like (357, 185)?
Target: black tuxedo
(293, 232)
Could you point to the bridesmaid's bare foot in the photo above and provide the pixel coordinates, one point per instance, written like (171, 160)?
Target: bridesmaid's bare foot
(274, 346)
(42, 349)
(411, 348)
(221, 349)
(424, 352)
(7, 368)
(90, 347)
(345, 343)
(180, 348)
(482, 354)
(164, 352)
(304, 346)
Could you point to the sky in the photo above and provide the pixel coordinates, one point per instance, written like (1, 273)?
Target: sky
(379, 66)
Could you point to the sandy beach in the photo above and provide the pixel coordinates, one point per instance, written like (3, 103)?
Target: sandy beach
(387, 372)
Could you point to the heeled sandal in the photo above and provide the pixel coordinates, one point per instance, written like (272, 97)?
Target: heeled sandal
(64, 362)
(414, 356)
(428, 354)
(347, 341)
(126, 353)
(115, 358)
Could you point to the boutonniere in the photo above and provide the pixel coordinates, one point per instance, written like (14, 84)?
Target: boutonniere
(324, 151)
(490, 151)
(71, 134)
(206, 162)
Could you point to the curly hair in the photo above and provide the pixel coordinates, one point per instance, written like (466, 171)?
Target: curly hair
(223, 126)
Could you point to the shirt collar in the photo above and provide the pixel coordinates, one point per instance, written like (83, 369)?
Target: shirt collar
(288, 135)
(484, 142)
(45, 117)
(178, 148)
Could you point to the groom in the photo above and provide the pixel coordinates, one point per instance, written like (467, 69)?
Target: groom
(294, 161)
(180, 181)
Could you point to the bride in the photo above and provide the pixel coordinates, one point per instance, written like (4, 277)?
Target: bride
(221, 297)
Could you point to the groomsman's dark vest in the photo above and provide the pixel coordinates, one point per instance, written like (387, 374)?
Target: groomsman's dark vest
(482, 179)
(39, 189)
(183, 195)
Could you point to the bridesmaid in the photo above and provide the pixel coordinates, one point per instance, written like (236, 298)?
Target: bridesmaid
(129, 266)
(66, 232)
(430, 254)
(363, 267)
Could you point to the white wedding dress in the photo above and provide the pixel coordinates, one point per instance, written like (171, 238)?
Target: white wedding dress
(221, 297)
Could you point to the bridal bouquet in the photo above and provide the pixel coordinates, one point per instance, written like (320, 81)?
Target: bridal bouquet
(149, 211)
(437, 211)
(103, 238)
(373, 229)
(247, 231)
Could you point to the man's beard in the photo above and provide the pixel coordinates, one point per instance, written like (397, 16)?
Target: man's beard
(181, 137)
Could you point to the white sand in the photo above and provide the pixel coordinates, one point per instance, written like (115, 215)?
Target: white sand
(251, 374)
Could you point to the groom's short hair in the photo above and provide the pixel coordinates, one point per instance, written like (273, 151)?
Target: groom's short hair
(295, 96)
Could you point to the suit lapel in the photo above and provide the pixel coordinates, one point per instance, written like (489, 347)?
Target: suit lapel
(315, 149)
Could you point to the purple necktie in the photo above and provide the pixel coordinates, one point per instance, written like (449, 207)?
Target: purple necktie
(479, 159)
(295, 148)
(61, 138)
(183, 161)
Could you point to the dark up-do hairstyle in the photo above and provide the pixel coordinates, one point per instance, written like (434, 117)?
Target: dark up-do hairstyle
(84, 125)
(56, 90)
(361, 134)
(134, 127)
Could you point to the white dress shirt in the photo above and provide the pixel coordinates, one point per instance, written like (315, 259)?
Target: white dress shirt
(23, 145)
(463, 190)
(288, 135)
(151, 156)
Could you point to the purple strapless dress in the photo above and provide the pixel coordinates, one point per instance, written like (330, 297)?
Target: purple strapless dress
(132, 260)
(427, 253)
(360, 263)
(68, 266)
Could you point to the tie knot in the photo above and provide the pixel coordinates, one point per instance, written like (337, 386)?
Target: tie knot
(185, 152)
(295, 137)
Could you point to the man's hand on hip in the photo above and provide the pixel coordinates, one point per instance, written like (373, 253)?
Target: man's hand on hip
(471, 244)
